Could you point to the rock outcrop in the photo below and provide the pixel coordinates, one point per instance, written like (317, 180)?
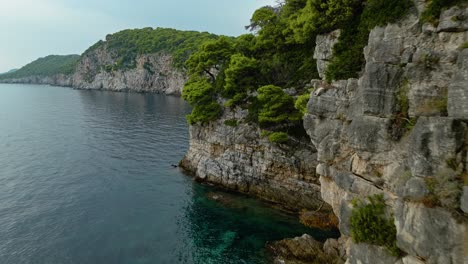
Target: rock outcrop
(239, 158)
(303, 250)
(400, 130)
(152, 73)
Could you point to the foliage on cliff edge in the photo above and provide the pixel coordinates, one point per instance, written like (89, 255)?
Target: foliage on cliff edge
(279, 53)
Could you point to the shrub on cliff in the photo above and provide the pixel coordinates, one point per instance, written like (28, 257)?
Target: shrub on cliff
(207, 110)
(211, 57)
(275, 106)
(321, 16)
(200, 94)
(301, 103)
(241, 76)
(445, 189)
(435, 7)
(370, 224)
(278, 137)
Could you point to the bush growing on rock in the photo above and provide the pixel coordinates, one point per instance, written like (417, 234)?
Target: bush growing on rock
(200, 94)
(445, 189)
(278, 137)
(275, 106)
(301, 103)
(231, 122)
(370, 224)
(434, 7)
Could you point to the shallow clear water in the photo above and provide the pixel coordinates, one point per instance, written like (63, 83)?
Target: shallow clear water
(86, 177)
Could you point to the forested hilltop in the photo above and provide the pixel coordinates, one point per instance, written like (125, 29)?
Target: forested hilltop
(128, 44)
(47, 66)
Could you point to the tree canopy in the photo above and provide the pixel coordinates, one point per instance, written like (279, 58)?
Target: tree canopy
(252, 70)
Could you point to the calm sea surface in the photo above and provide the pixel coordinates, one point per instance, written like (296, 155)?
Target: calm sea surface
(86, 177)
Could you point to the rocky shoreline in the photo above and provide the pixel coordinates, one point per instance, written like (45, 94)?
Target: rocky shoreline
(399, 131)
(153, 73)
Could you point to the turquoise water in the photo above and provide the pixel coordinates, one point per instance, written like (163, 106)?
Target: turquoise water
(86, 177)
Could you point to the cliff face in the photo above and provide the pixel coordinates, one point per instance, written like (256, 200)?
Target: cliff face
(153, 73)
(400, 130)
(240, 159)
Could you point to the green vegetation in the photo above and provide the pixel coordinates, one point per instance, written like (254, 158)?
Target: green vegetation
(251, 70)
(445, 189)
(242, 76)
(10, 71)
(464, 46)
(348, 57)
(301, 103)
(199, 93)
(435, 7)
(320, 16)
(47, 66)
(370, 224)
(231, 122)
(130, 43)
(278, 137)
(276, 106)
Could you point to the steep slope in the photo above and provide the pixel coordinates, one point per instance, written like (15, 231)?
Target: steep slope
(388, 144)
(140, 60)
(400, 131)
(52, 69)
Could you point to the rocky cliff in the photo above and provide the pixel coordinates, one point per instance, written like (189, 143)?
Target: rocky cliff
(400, 131)
(96, 69)
(239, 158)
(152, 73)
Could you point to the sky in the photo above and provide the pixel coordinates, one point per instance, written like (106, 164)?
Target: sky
(30, 29)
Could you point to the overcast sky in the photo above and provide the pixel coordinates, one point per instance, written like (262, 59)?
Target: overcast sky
(30, 29)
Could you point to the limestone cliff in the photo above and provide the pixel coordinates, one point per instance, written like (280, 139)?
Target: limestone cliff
(400, 130)
(241, 159)
(152, 73)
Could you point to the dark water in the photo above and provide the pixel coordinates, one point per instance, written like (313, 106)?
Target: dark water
(85, 177)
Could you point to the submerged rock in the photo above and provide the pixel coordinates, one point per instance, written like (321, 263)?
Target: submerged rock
(301, 250)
